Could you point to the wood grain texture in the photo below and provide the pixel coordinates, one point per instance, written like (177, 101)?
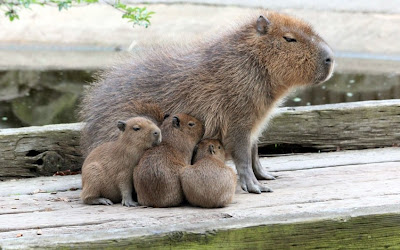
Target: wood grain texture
(310, 207)
(44, 150)
(355, 125)
(35, 151)
(364, 232)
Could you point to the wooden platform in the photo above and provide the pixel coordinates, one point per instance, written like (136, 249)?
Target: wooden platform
(348, 199)
(44, 150)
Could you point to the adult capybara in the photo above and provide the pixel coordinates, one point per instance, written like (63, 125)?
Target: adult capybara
(156, 177)
(231, 83)
(208, 182)
(107, 171)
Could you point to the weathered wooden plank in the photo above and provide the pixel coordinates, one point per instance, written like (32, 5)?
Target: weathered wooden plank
(355, 125)
(372, 232)
(331, 159)
(33, 151)
(323, 203)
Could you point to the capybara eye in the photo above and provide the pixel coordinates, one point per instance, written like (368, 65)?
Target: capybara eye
(219, 147)
(289, 39)
(136, 128)
(191, 124)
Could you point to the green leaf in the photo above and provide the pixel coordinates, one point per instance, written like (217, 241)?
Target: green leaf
(120, 6)
(63, 5)
(136, 15)
(12, 14)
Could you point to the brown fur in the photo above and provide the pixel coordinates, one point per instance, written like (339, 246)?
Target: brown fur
(231, 83)
(148, 110)
(209, 182)
(156, 178)
(107, 171)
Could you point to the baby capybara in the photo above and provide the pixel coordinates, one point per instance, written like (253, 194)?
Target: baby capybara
(107, 171)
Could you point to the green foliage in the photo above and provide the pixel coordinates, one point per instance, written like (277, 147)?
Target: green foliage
(11, 14)
(136, 15)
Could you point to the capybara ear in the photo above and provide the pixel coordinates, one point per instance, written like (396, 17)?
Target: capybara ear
(262, 25)
(166, 116)
(121, 125)
(176, 122)
(211, 149)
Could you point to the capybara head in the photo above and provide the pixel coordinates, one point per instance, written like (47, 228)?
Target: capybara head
(182, 128)
(140, 131)
(291, 52)
(209, 147)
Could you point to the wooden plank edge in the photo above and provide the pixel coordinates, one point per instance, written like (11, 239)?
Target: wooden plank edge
(341, 106)
(279, 111)
(330, 159)
(342, 126)
(372, 231)
(64, 127)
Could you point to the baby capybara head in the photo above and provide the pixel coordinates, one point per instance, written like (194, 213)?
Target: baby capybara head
(209, 147)
(289, 49)
(140, 132)
(182, 128)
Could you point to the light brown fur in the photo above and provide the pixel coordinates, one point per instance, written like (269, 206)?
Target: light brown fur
(107, 171)
(156, 178)
(147, 109)
(231, 83)
(209, 182)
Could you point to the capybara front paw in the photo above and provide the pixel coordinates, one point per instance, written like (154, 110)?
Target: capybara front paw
(129, 203)
(253, 186)
(262, 174)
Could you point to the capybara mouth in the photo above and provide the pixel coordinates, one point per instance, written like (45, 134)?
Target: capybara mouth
(326, 65)
(327, 74)
(156, 143)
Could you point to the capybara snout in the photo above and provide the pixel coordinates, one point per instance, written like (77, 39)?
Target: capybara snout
(326, 65)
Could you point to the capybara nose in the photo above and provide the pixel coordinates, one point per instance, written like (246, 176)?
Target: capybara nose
(327, 55)
(157, 137)
(328, 60)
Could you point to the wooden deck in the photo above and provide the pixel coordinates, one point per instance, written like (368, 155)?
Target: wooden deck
(44, 150)
(339, 199)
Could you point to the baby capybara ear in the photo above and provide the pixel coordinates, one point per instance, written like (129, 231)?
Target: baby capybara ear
(121, 125)
(262, 25)
(176, 122)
